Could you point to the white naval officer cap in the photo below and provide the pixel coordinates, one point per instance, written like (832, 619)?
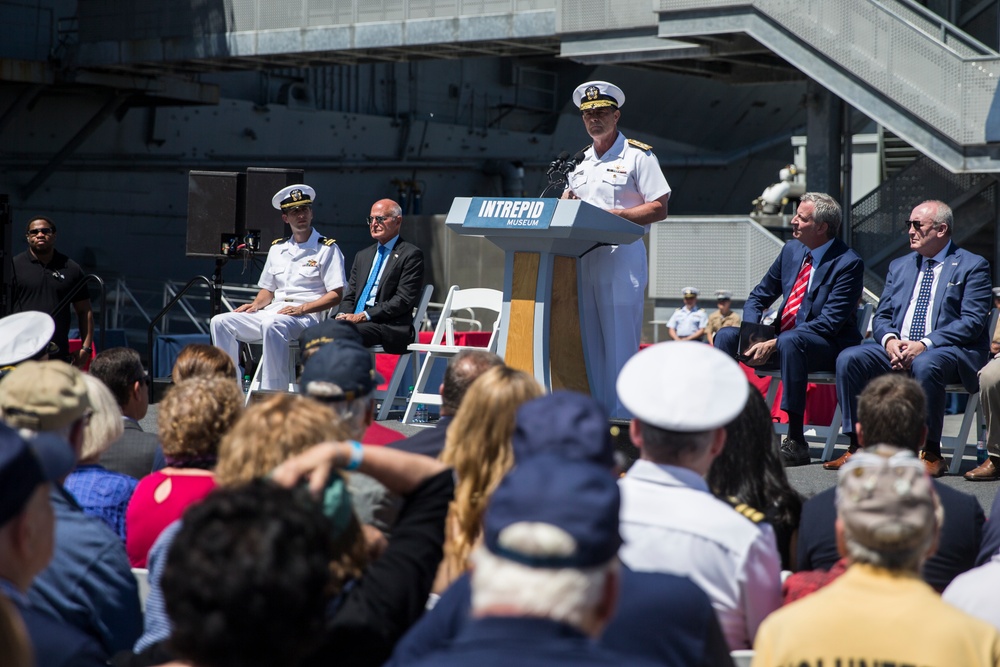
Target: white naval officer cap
(690, 291)
(723, 295)
(24, 335)
(597, 94)
(683, 386)
(293, 196)
(996, 292)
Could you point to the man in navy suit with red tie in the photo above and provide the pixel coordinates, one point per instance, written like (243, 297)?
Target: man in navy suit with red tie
(930, 323)
(385, 283)
(820, 280)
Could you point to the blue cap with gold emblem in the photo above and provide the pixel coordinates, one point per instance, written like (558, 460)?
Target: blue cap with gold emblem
(597, 94)
(293, 196)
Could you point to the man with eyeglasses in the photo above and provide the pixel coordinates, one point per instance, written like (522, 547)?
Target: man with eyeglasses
(385, 283)
(930, 323)
(302, 278)
(42, 278)
(621, 176)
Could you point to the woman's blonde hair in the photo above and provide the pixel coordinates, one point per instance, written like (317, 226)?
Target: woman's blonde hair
(105, 425)
(478, 447)
(196, 413)
(276, 429)
(200, 360)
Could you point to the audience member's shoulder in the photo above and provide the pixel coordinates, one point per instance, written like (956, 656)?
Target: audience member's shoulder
(56, 643)
(752, 514)
(955, 498)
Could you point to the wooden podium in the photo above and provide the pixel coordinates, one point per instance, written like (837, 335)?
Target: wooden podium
(542, 240)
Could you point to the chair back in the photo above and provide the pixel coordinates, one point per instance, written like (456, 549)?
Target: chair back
(473, 298)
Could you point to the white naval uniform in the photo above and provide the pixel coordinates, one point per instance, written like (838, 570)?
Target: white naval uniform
(613, 278)
(685, 321)
(670, 522)
(296, 273)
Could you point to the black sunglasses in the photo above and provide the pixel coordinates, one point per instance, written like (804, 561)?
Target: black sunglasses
(40, 230)
(380, 219)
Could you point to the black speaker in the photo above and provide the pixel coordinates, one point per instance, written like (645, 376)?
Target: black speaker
(262, 184)
(215, 210)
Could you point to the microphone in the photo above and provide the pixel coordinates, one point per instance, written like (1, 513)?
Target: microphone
(571, 164)
(557, 163)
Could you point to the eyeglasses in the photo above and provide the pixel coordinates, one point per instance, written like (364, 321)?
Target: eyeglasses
(40, 230)
(916, 225)
(380, 219)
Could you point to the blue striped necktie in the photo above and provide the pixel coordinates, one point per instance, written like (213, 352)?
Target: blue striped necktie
(366, 293)
(919, 323)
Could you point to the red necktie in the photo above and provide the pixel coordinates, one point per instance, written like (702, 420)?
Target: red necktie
(798, 293)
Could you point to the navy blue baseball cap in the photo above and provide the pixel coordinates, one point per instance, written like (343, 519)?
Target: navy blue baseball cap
(340, 371)
(25, 465)
(578, 497)
(565, 424)
(328, 331)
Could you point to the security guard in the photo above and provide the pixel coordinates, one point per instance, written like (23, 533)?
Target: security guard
(621, 176)
(302, 278)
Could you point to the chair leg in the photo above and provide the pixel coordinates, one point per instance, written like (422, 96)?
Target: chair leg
(254, 381)
(418, 386)
(393, 389)
(772, 391)
(833, 434)
(962, 441)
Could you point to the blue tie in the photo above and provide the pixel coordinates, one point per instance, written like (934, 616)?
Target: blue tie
(918, 325)
(360, 305)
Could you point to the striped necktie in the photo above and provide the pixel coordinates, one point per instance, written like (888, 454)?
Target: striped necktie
(918, 327)
(798, 293)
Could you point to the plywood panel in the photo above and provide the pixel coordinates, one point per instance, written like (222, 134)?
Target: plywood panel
(520, 352)
(567, 364)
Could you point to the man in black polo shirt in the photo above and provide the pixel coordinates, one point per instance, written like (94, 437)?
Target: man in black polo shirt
(42, 278)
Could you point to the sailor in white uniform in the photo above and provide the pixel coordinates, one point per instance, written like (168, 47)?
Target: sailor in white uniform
(302, 278)
(623, 177)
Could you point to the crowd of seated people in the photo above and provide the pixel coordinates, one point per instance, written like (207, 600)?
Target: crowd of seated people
(290, 532)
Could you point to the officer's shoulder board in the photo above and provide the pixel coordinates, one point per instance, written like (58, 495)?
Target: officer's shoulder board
(755, 515)
(641, 146)
(277, 241)
(325, 241)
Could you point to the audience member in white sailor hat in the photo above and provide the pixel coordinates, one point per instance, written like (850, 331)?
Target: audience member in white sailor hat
(683, 395)
(25, 336)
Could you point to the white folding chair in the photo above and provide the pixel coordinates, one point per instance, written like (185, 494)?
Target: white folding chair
(828, 435)
(293, 359)
(391, 393)
(973, 416)
(443, 341)
(141, 575)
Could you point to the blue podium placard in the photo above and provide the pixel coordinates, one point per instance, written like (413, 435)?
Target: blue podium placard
(510, 213)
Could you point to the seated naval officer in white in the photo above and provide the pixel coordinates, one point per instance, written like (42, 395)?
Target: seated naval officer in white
(302, 277)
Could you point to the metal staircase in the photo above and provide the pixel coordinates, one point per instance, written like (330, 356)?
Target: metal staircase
(896, 154)
(877, 230)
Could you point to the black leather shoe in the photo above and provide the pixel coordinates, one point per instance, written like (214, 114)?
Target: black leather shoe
(794, 453)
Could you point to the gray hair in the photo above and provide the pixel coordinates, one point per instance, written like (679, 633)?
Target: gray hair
(105, 425)
(826, 209)
(566, 595)
(943, 214)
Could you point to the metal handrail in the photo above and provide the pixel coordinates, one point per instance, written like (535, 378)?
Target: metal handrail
(64, 303)
(152, 325)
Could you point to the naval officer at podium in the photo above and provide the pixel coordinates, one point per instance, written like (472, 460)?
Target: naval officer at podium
(621, 176)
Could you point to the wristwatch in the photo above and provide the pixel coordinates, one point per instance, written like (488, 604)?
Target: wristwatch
(86, 348)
